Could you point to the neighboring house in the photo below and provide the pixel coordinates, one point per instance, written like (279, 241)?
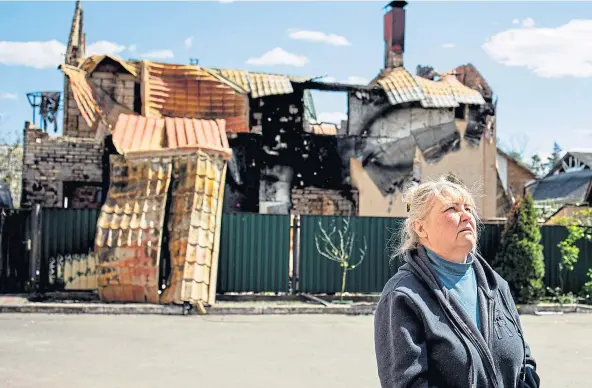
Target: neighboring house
(400, 127)
(567, 184)
(513, 173)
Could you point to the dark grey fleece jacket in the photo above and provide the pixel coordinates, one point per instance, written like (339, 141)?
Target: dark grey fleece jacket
(423, 337)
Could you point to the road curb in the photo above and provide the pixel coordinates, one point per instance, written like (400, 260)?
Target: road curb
(134, 309)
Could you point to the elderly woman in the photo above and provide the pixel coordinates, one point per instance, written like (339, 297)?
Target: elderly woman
(447, 319)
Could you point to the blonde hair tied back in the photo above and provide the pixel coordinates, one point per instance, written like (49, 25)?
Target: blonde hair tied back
(419, 200)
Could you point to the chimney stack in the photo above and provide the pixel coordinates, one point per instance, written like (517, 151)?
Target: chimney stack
(394, 34)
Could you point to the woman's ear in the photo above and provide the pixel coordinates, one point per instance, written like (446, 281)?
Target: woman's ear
(419, 228)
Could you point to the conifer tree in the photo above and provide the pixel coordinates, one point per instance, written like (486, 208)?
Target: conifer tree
(520, 257)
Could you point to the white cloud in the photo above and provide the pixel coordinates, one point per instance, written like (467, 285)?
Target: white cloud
(40, 55)
(355, 80)
(8, 96)
(188, 42)
(515, 21)
(279, 56)
(319, 37)
(549, 52)
(448, 45)
(159, 54)
(332, 117)
(528, 22)
(104, 47)
(47, 54)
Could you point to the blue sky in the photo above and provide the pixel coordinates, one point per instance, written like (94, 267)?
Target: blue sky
(537, 57)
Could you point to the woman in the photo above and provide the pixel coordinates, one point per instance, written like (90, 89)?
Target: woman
(447, 319)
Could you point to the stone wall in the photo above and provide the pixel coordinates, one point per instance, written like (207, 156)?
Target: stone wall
(58, 167)
(112, 79)
(314, 201)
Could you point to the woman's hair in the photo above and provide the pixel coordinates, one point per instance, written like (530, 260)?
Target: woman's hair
(420, 199)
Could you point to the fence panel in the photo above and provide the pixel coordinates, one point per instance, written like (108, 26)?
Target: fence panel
(321, 275)
(254, 253)
(67, 237)
(489, 240)
(574, 280)
(15, 227)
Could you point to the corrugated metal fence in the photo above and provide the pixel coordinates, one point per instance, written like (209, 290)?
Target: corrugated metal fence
(256, 252)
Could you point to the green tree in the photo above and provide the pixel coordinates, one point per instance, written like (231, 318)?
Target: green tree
(579, 226)
(536, 164)
(555, 155)
(520, 258)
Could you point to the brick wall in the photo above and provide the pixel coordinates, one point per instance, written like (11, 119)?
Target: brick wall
(119, 85)
(57, 165)
(517, 177)
(313, 201)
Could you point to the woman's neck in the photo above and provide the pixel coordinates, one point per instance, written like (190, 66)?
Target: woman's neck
(458, 256)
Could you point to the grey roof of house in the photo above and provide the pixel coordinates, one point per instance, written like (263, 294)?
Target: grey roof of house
(573, 186)
(584, 157)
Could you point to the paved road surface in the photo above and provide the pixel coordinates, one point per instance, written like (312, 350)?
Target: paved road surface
(51, 351)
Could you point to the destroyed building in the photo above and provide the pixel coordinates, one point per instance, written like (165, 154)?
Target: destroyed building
(400, 127)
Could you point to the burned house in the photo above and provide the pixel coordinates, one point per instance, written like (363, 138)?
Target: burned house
(400, 127)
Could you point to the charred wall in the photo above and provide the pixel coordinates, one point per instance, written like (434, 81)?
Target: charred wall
(279, 120)
(314, 201)
(59, 167)
(241, 192)
(385, 138)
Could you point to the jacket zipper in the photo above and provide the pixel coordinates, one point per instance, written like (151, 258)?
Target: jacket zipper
(519, 330)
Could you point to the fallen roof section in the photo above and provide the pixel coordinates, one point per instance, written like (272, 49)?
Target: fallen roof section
(138, 135)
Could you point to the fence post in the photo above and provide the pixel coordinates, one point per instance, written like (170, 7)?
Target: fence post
(35, 242)
(296, 253)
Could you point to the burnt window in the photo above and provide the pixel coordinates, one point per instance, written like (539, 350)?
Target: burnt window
(81, 195)
(460, 112)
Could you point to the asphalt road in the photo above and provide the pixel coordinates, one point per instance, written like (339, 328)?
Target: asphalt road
(52, 351)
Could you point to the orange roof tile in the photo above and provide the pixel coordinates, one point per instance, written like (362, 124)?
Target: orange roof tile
(194, 92)
(95, 105)
(438, 94)
(134, 134)
(463, 94)
(84, 94)
(129, 230)
(399, 85)
(195, 215)
(90, 64)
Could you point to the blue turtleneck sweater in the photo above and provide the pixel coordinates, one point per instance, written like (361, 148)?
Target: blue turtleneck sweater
(459, 279)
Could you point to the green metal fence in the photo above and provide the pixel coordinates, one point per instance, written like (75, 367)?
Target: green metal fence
(320, 275)
(65, 232)
(254, 253)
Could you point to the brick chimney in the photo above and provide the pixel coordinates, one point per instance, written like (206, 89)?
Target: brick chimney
(394, 34)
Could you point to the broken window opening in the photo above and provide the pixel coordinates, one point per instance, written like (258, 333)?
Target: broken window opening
(79, 195)
(325, 112)
(460, 112)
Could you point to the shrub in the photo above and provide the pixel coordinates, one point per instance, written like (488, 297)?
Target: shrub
(520, 257)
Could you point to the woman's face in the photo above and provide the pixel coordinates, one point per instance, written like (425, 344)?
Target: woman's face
(449, 229)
